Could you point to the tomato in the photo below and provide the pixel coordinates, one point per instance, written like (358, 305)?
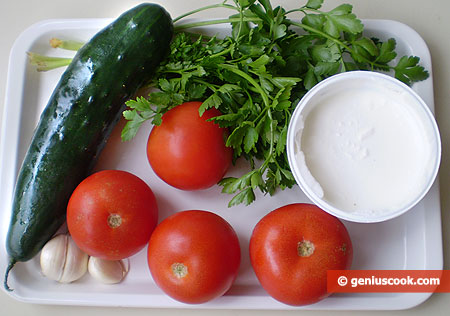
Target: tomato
(111, 214)
(194, 256)
(291, 249)
(188, 152)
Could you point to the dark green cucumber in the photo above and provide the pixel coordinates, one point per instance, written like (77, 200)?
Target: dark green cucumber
(77, 121)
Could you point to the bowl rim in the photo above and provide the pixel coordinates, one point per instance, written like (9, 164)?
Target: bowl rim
(320, 202)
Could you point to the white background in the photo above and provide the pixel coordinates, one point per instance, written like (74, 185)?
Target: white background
(429, 18)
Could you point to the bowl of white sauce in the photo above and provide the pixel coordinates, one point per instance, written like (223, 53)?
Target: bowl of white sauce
(363, 146)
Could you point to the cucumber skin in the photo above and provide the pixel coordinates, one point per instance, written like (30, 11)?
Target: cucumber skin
(78, 119)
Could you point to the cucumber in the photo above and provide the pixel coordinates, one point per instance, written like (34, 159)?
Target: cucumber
(77, 121)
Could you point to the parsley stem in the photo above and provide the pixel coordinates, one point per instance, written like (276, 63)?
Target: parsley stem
(224, 52)
(303, 9)
(244, 75)
(323, 34)
(213, 22)
(217, 5)
(210, 86)
(179, 71)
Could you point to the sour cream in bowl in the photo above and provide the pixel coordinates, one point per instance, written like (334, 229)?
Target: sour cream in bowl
(363, 146)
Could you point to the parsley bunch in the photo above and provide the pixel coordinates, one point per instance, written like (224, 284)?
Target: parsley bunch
(257, 74)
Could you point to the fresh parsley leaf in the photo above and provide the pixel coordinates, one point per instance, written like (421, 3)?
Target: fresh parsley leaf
(196, 91)
(140, 111)
(159, 98)
(281, 144)
(132, 126)
(250, 139)
(230, 185)
(141, 104)
(213, 101)
(267, 5)
(236, 138)
(316, 21)
(343, 20)
(310, 78)
(328, 52)
(342, 10)
(366, 47)
(387, 51)
(314, 4)
(256, 180)
(408, 70)
(323, 68)
(245, 197)
(246, 3)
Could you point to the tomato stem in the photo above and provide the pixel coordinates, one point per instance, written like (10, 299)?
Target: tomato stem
(305, 248)
(114, 220)
(179, 270)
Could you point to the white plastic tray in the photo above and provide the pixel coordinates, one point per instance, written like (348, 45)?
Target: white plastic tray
(412, 241)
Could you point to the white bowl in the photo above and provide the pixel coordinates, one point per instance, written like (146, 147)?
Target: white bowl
(363, 146)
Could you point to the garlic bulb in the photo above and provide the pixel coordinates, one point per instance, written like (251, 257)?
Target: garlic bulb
(62, 260)
(107, 271)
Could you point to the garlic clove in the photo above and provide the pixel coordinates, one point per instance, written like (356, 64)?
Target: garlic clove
(108, 271)
(76, 263)
(53, 257)
(61, 259)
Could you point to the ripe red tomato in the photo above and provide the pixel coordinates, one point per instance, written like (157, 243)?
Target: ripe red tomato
(194, 256)
(186, 151)
(111, 214)
(292, 248)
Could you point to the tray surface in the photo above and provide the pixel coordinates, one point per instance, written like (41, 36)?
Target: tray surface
(411, 241)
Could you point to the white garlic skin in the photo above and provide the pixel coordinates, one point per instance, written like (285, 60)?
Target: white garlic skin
(107, 271)
(62, 260)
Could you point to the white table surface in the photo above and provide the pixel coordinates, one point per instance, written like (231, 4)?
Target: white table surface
(429, 18)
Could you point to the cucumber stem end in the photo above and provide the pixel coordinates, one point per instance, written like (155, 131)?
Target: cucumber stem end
(11, 264)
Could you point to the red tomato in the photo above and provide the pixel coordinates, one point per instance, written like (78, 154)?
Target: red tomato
(111, 214)
(194, 256)
(186, 151)
(292, 248)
